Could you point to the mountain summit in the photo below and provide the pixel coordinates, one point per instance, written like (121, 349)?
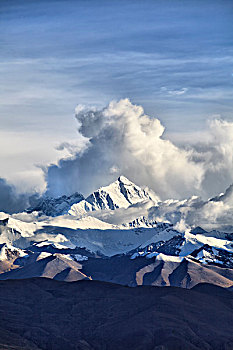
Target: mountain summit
(120, 194)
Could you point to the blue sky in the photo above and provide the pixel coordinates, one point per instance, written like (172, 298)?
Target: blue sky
(175, 58)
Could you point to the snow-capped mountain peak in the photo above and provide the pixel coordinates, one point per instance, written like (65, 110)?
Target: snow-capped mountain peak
(124, 180)
(120, 194)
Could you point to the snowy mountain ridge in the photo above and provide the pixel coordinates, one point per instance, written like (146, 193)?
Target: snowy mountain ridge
(124, 231)
(55, 206)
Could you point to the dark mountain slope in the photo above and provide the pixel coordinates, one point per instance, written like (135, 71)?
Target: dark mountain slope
(51, 315)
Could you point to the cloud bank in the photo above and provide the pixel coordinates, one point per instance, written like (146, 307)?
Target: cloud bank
(10, 201)
(124, 140)
(212, 214)
(217, 157)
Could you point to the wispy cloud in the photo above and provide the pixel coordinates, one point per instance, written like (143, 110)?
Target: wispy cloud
(174, 92)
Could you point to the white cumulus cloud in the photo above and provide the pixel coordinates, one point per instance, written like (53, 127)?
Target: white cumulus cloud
(122, 137)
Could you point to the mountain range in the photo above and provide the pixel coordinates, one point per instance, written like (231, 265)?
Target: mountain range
(121, 233)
